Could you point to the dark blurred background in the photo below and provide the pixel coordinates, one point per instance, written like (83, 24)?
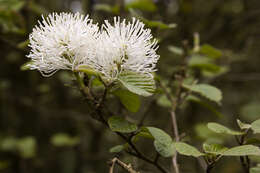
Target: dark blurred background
(44, 123)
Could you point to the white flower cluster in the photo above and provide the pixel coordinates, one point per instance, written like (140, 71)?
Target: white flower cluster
(72, 42)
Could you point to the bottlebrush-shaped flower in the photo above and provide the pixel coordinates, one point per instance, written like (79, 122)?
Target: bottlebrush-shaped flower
(58, 42)
(124, 47)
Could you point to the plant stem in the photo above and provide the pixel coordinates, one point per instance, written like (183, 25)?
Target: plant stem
(209, 168)
(139, 155)
(174, 120)
(125, 166)
(245, 161)
(177, 138)
(98, 110)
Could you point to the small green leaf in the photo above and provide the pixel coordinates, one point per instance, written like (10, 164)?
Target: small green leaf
(64, 140)
(88, 70)
(162, 142)
(205, 104)
(243, 150)
(203, 63)
(187, 150)
(117, 149)
(107, 8)
(36, 8)
(8, 144)
(212, 74)
(140, 84)
(142, 133)
(145, 134)
(256, 126)
(152, 23)
(159, 135)
(254, 141)
(144, 5)
(166, 150)
(26, 147)
(218, 128)
(251, 111)
(12, 5)
(210, 92)
(176, 50)
(243, 125)
(130, 100)
(119, 124)
(24, 44)
(215, 149)
(158, 24)
(163, 101)
(210, 51)
(255, 169)
(26, 66)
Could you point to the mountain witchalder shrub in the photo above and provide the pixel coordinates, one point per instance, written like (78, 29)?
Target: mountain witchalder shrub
(122, 57)
(72, 42)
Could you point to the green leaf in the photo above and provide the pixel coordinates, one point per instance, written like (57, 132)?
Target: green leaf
(27, 147)
(243, 125)
(8, 144)
(23, 44)
(203, 63)
(166, 150)
(255, 169)
(26, 66)
(218, 128)
(130, 100)
(163, 101)
(13, 5)
(162, 142)
(142, 133)
(108, 8)
(210, 51)
(117, 149)
(176, 50)
(144, 5)
(251, 111)
(204, 104)
(210, 92)
(187, 150)
(243, 150)
(215, 149)
(38, 9)
(119, 124)
(212, 74)
(256, 126)
(88, 70)
(152, 23)
(64, 140)
(140, 84)
(159, 135)
(254, 141)
(158, 24)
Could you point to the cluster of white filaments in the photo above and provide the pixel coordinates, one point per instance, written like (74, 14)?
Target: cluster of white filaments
(71, 41)
(60, 40)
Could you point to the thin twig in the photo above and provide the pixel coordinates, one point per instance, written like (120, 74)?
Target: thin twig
(99, 113)
(139, 155)
(174, 120)
(177, 138)
(127, 167)
(245, 161)
(210, 165)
